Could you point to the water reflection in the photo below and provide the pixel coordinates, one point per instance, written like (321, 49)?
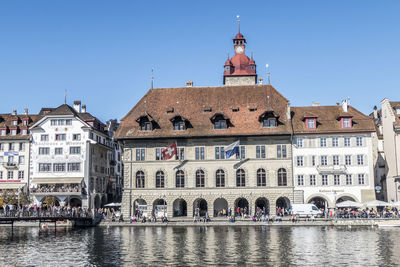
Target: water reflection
(200, 246)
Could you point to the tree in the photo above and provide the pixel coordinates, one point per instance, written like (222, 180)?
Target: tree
(49, 201)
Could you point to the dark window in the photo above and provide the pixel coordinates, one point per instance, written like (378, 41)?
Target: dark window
(199, 153)
(260, 152)
(145, 126)
(179, 125)
(220, 124)
(282, 177)
(140, 179)
(220, 178)
(242, 152)
(199, 178)
(220, 152)
(160, 179)
(270, 122)
(180, 179)
(240, 178)
(281, 151)
(261, 177)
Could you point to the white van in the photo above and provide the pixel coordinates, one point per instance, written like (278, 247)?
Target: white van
(306, 210)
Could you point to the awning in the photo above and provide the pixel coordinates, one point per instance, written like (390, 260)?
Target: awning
(11, 185)
(57, 180)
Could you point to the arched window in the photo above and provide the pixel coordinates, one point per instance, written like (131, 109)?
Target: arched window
(199, 178)
(261, 177)
(160, 179)
(282, 177)
(140, 179)
(220, 178)
(180, 179)
(240, 178)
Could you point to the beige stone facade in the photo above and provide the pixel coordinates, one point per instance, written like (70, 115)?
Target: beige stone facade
(215, 197)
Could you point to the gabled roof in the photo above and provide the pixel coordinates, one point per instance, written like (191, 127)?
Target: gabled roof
(328, 120)
(190, 102)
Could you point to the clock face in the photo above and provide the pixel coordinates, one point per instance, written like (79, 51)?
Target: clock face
(239, 49)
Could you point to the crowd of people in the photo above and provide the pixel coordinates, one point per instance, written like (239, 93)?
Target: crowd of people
(352, 213)
(56, 188)
(10, 210)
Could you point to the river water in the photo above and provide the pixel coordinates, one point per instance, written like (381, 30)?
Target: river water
(201, 246)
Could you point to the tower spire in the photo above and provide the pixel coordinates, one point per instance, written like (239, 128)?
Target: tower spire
(238, 20)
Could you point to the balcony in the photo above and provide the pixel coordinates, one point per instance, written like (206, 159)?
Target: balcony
(10, 165)
(333, 169)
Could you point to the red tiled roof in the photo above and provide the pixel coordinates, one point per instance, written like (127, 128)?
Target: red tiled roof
(191, 103)
(6, 122)
(327, 120)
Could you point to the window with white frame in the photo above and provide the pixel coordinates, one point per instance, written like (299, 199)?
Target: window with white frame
(24, 131)
(260, 152)
(324, 179)
(159, 154)
(10, 175)
(242, 152)
(360, 160)
(59, 167)
(312, 179)
(3, 132)
(324, 160)
(311, 123)
(349, 180)
(335, 141)
(140, 154)
(359, 141)
(58, 150)
(180, 153)
(322, 142)
(76, 137)
(21, 146)
(281, 151)
(199, 153)
(60, 137)
(219, 152)
(21, 160)
(347, 141)
(313, 161)
(347, 159)
(300, 179)
(336, 179)
(299, 142)
(44, 167)
(75, 150)
(20, 175)
(300, 161)
(346, 123)
(11, 146)
(44, 150)
(2, 146)
(335, 159)
(44, 137)
(361, 179)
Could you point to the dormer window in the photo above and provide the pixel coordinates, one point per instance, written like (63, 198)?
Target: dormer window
(24, 132)
(271, 122)
(220, 121)
(311, 123)
(180, 123)
(25, 122)
(220, 124)
(15, 122)
(346, 123)
(3, 132)
(268, 119)
(14, 132)
(179, 126)
(145, 126)
(146, 123)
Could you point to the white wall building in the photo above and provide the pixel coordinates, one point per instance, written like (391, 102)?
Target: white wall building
(70, 157)
(333, 154)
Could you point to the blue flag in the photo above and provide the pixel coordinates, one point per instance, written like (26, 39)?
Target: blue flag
(232, 149)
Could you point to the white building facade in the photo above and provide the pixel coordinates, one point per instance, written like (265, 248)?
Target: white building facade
(333, 155)
(70, 158)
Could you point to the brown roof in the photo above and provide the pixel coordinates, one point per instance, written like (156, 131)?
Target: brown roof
(6, 123)
(192, 103)
(395, 105)
(328, 120)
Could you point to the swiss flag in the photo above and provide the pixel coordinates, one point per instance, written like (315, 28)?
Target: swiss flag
(170, 151)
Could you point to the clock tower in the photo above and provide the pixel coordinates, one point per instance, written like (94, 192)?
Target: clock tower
(240, 69)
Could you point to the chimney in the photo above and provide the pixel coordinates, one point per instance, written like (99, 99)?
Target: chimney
(375, 112)
(25, 111)
(344, 105)
(14, 112)
(77, 106)
(260, 81)
(315, 104)
(83, 108)
(189, 84)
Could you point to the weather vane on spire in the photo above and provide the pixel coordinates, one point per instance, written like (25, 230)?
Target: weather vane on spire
(238, 20)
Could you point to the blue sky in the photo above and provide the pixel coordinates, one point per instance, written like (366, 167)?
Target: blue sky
(102, 52)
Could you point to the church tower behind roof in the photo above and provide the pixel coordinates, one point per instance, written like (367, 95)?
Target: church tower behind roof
(240, 69)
